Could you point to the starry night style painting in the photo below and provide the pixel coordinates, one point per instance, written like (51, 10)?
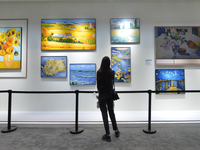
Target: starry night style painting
(170, 80)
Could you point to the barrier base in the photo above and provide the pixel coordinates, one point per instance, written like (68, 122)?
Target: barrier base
(6, 130)
(149, 131)
(76, 131)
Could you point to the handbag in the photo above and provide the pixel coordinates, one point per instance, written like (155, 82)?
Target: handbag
(114, 93)
(97, 96)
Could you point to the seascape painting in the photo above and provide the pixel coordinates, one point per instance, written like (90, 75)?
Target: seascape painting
(68, 34)
(121, 63)
(54, 66)
(10, 47)
(125, 30)
(82, 74)
(170, 80)
(177, 42)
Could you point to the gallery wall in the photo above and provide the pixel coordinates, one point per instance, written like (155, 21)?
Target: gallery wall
(130, 107)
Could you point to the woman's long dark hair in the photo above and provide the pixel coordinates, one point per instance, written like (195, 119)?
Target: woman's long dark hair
(105, 70)
(105, 64)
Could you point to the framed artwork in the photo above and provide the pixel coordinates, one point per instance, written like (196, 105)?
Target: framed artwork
(125, 30)
(68, 34)
(121, 63)
(177, 45)
(10, 47)
(170, 80)
(82, 74)
(13, 48)
(54, 66)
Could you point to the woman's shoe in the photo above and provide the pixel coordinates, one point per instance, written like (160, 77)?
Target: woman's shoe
(117, 133)
(106, 138)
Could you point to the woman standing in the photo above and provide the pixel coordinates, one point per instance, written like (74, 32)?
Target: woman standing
(105, 80)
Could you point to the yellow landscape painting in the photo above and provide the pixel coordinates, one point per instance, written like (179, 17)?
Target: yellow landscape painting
(68, 34)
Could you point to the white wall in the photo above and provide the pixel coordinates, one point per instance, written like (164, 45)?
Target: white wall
(131, 107)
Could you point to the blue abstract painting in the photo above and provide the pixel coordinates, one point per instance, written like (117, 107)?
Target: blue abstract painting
(121, 63)
(82, 74)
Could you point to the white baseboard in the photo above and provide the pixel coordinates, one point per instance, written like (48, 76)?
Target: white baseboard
(95, 116)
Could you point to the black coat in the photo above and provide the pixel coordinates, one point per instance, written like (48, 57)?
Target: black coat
(105, 81)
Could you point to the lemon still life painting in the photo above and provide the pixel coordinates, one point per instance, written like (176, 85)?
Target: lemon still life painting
(68, 34)
(10, 47)
(54, 66)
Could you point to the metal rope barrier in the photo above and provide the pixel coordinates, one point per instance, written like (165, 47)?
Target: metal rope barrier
(77, 130)
(9, 127)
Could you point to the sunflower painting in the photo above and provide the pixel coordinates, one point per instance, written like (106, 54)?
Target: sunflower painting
(10, 48)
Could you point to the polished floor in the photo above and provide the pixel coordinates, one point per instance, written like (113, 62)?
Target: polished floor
(169, 136)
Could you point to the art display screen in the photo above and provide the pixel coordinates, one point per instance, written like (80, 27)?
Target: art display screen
(121, 63)
(68, 34)
(170, 80)
(82, 74)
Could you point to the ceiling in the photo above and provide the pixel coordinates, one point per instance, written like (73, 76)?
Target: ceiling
(101, 0)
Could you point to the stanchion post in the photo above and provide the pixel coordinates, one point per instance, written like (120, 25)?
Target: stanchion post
(9, 128)
(149, 131)
(76, 130)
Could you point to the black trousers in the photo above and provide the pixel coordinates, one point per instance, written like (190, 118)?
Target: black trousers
(106, 104)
